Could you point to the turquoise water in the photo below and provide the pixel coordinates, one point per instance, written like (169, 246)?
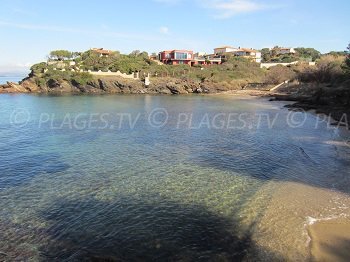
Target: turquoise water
(134, 178)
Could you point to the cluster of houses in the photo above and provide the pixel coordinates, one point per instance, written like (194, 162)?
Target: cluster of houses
(188, 57)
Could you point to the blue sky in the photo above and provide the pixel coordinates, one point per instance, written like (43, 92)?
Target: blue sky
(30, 29)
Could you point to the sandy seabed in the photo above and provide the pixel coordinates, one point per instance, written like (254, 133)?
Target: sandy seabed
(330, 240)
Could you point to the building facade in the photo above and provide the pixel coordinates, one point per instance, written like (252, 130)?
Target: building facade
(224, 49)
(206, 60)
(248, 53)
(102, 52)
(176, 57)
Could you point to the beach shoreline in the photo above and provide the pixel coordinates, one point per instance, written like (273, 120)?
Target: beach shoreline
(330, 239)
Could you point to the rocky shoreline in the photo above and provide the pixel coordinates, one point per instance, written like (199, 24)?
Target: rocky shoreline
(323, 99)
(114, 85)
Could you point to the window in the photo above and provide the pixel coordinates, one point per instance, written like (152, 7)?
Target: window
(180, 56)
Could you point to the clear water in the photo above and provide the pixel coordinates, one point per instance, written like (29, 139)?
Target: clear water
(188, 192)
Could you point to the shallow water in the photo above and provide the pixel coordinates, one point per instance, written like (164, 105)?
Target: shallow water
(159, 177)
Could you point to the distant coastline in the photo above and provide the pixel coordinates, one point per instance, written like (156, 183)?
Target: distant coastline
(11, 78)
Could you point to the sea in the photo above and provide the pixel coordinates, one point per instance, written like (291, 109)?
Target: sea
(165, 178)
(15, 79)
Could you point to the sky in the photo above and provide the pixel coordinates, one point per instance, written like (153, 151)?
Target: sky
(29, 30)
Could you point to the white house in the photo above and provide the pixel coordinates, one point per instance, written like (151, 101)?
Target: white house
(249, 53)
(224, 49)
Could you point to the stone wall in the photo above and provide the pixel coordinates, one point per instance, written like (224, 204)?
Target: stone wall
(118, 73)
(268, 65)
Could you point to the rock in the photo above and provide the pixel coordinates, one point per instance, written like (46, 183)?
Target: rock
(53, 83)
(30, 85)
(199, 90)
(176, 88)
(16, 87)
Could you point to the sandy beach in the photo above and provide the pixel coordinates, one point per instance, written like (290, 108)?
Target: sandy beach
(330, 240)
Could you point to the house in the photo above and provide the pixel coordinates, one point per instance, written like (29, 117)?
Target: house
(200, 54)
(283, 50)
(102, 52)
(249, 53)
(153, 57)
(207, 60)
(224, 49)
(176, 57)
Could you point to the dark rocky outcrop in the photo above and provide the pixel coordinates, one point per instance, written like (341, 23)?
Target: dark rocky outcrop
(324, 99)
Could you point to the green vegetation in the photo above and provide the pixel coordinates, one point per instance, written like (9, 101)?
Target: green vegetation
(278, 74)
(114, 62)
(329, 69)
(56, 76)
(302, 54)
(347, 61)
(60, 55)
(307, 54)
(37, 69)
(332, 68)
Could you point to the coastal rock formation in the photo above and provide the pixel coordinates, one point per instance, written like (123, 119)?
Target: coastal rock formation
(111, 85)
(11, 87)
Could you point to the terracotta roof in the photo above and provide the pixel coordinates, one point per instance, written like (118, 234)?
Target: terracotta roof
(224, 47)
(248, 50)
(176, 51)
(102, 51)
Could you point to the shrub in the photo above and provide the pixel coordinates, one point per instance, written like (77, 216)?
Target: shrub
(81, 78)
(279, 74)
(38, 68)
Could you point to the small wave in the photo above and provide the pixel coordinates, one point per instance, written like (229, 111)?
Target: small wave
(311, 221)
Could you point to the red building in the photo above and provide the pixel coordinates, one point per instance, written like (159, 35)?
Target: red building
(176, 57)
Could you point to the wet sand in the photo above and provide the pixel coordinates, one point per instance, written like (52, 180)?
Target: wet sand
(330, 240)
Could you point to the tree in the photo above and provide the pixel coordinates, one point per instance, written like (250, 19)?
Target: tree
(308, 53)
(337, 53)
(76, 55)
(38, 68)
(91, 60)
(347, 61)
(278, 74)
(135, 53)
(266, 54)
(329, 69)
(60, 55)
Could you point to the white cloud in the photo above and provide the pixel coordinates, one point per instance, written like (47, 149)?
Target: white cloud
(227, 8)
(164, 30)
